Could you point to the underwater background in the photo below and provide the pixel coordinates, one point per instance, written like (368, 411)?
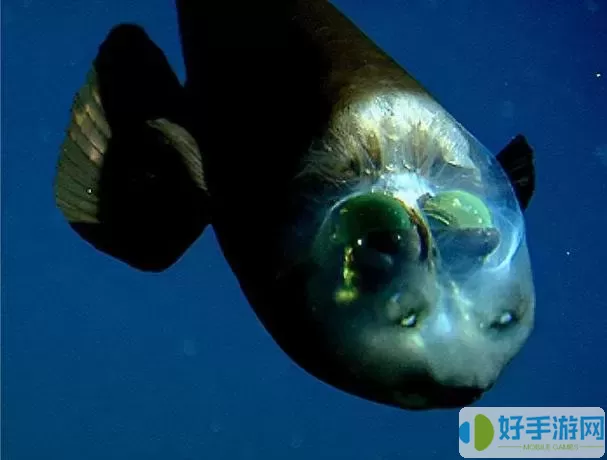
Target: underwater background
(100, 361)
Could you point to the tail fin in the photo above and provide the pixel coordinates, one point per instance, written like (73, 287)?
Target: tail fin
(130, 178)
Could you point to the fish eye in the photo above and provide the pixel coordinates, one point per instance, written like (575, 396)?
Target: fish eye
(386, 242)
(371, 229)
(373, 264)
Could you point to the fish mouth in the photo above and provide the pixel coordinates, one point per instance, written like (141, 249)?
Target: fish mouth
(379, 259)
(433, 395)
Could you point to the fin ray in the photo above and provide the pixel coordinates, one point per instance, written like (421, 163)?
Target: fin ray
(130, 177)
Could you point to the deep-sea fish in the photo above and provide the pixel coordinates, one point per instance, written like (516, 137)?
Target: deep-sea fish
(381, 245)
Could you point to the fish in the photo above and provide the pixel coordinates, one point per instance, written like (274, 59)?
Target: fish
(378, 241)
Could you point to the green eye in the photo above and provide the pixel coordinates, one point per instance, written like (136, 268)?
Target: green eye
(370, 231)
(457, 209)
(463, 228)
(369, 215)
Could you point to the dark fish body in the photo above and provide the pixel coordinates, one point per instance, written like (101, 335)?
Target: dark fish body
(371, 233)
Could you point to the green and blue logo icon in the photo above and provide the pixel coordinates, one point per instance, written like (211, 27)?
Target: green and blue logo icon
(532, 432)
(483, 432)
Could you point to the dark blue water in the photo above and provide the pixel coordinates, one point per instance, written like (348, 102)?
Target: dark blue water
(102, 362)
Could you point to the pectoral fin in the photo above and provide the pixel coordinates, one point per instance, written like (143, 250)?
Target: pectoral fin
(130, 178)
(517, 160)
